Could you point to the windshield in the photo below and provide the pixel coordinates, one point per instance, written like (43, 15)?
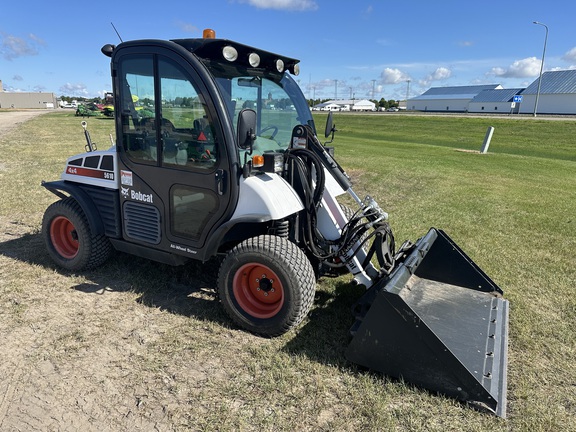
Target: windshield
(277, 100)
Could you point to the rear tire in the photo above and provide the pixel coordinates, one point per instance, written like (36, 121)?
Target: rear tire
(266, 285)
(68, 237)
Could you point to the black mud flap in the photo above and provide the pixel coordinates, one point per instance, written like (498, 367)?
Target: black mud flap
(438, 322)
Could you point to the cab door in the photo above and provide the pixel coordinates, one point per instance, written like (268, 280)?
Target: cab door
(175, 173)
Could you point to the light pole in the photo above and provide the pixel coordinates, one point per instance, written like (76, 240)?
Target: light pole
(407, 91)
(541, 67)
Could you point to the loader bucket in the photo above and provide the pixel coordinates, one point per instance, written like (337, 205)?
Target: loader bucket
(438, 322)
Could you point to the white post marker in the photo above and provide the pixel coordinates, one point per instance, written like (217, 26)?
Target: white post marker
(487, 140)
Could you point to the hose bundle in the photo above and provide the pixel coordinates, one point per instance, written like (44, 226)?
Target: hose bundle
(305, 172)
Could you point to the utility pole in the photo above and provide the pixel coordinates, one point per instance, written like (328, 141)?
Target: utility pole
(541, 67)
(407, 92)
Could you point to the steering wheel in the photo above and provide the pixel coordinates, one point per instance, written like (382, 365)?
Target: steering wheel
(268, 128)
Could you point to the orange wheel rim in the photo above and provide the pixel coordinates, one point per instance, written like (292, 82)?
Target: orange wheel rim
(64, 237)
(258, 290)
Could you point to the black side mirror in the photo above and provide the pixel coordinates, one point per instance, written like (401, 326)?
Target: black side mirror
(246, 130)
(330, 128)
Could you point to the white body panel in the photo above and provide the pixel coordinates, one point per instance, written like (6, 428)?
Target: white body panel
(332, 185)
(93, 168)
(268, 196)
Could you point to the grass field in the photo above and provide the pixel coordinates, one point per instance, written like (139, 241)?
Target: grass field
(136, 345)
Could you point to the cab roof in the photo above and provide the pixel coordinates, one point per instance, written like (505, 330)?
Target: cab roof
(213, 50)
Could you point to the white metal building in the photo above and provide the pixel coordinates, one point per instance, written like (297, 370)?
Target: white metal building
(495, 101)
(448, 99)
(327, 106)
(346, 105)
(362, 105)
(557, 94)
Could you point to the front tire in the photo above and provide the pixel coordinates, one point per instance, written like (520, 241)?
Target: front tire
(68, 237)
(266, 285)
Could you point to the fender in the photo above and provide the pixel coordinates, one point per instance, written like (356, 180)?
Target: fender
(218, 236)
(263, 197)
(267, 195)
(88, 206)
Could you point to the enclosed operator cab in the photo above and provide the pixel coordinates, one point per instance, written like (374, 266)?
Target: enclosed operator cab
(180, 161)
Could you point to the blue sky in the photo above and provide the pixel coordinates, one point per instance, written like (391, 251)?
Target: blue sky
(359, 48)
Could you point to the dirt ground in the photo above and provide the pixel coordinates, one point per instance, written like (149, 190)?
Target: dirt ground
(101, 351)
(11, 119)
(135, 345)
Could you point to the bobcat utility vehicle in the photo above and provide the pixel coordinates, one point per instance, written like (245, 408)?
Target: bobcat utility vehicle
(217, 154)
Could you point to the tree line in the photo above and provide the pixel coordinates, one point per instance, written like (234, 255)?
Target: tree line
(69, 99)
(382, 103)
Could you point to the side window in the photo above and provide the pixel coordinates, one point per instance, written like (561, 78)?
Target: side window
(183, 137)
(137, 109)
(187, 134)
(190, 210)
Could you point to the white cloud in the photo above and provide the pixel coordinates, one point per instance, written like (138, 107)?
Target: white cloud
(570, 56)
(368, 11)
(78, 89)
(36, 39)
(555, 69)
(294, 5)
(12, 47)
(393, 76)
(187, 27)
(325, 83)
(384, 42)
(525, 68)
(440, 74)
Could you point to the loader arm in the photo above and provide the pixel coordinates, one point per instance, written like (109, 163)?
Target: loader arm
(342, 241)
(430, 315)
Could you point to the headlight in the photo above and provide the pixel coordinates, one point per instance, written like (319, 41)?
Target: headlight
(230, 53)
(279, 65)
(254, 60)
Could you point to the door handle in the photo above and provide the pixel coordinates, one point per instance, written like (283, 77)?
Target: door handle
(220, 177)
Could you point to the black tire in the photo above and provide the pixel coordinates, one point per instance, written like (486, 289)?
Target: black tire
(68, 238)
(266, 285)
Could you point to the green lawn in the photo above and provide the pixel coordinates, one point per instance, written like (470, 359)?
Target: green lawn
(157, 332)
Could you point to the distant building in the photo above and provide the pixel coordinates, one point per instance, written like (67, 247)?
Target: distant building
(19, 100)
(346, 105)
(327, 106)
(448, 99)
(362, 105)
(557, 94)
(495, 101)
